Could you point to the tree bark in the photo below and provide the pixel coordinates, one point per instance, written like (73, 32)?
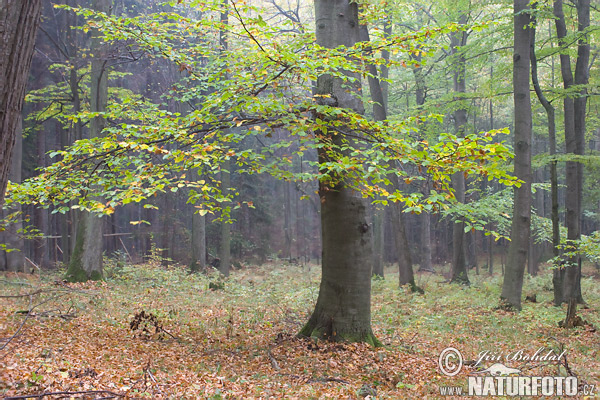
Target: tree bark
(86, 260)
(19, 21)
(520, 231)
(573, 278)
(14, 258)
(225, 244)
(574, 120)
(343, 309)
(459, 264)
(557, 272)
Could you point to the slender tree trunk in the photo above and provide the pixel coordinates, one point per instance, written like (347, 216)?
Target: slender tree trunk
(426, 263)
(573, 278)
(378, 237)
(343, 309)
(424, 217)
(40, 215)
(459, 263)
(405, 265)
(517, 252)
(287, 221)
(557, 272)
(19, 22)
(574, 120)
(225, 245)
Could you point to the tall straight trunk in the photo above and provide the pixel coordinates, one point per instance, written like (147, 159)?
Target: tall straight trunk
(574, 120)
(225, 244)
(287, 221)
(459, 264)
(573, 278)
(86, 260)
(343, 309)
(424, 217)
(14, 259)
(557, 272)
(379, 114)
(512, 286)
(19, 21)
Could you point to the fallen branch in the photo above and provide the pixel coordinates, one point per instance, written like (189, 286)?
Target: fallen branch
(42, 395)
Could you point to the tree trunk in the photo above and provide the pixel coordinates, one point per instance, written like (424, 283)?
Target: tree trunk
(41, 254)
(378, 237)
(520, 231)
(86, 261)
(406, 275)
(573, 278)
(574, 119)
(14, 259)
(225, 245)
(426, 263)
(459, 263)
(19, 22)
(343, 309)
(557, 272)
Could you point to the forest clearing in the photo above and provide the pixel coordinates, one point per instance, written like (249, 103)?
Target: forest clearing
(240, 341)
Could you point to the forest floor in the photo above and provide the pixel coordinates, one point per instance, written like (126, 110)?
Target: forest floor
(239, 341)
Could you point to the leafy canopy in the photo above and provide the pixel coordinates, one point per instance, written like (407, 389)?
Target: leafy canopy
(227, 105)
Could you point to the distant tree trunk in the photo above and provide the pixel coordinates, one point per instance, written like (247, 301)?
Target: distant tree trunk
(86, 261)
(425, 217)
(406, 275)
(225, 246)
(426, 263)
(287, 221)
(40, 215)
(14, 260)
(557, 272)
(517, 251)
(343, 309)
(198, 243)
(459, 263)
(378, 237)
(379, 114)
(19, 21)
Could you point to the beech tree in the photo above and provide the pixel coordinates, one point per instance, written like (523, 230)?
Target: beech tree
(512, 286)
(574, 125)
(248, 92)
(343, 309)
(86, 259)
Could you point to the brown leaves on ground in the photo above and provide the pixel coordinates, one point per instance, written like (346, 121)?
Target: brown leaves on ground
(238, 342)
